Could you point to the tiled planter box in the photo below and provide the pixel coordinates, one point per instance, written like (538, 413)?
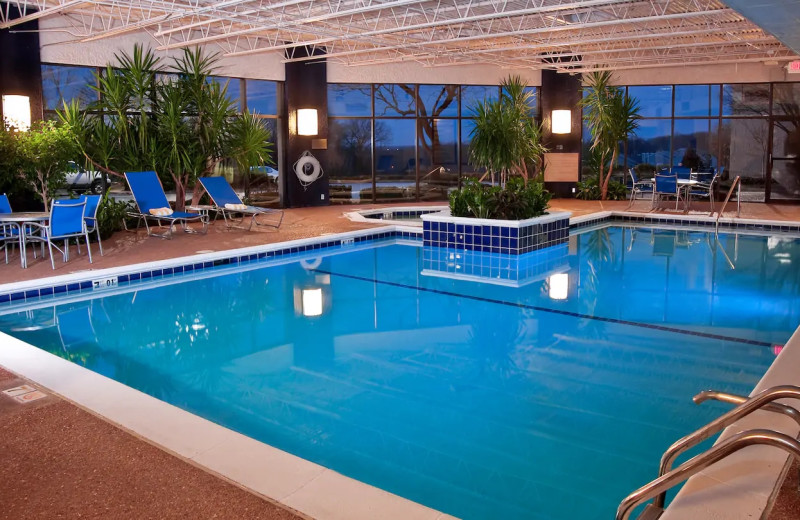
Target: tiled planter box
(514, 237)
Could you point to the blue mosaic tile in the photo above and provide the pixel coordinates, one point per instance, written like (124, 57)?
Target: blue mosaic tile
(45, 291)
(4, 298)
(32, 293)
(86, 284)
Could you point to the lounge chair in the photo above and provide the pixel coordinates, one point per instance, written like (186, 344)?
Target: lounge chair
(227, 202)
(151, 201)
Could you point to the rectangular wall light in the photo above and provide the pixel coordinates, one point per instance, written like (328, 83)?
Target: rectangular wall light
(561, 121)
(307, 121)
(17, 111)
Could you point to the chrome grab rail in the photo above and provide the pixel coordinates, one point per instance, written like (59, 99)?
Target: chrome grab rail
(704, 460)
(752, 404)
(737, 183)
(725, 397)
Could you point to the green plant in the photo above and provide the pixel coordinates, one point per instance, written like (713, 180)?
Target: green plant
(611, 117)
(517, 200)
(178, 125)
(250, 146)
(43, 154)
(589, 189)
(505, 137)
(111, 215)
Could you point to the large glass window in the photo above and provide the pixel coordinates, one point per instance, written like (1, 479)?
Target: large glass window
(420, 135)
(651, 145)
(745, 99)
(472, 95)
(786, 99)
(353, 100)
(785, 183)
(438, 157)
(63, 83)
(438, 101)
(695, 143)
(653, 101)
(697, 100)
(395, 101)
(233, 86)
(262, 97)
(395, 159)
(350, 160)
(743, 147)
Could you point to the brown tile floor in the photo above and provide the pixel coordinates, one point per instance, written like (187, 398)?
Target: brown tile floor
(58, 461)
(787, 504)
(129, 248)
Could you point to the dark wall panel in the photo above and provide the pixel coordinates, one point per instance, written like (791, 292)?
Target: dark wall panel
(306, 87)
(561, 92)
(20, 65)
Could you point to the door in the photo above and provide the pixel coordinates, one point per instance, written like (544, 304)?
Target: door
(785, 161)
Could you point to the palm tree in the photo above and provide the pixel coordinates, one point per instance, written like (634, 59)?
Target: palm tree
(612, 117)
(505, 137)
(250, 145)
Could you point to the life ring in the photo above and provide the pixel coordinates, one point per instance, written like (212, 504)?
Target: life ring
(312, 264)
(300, 169)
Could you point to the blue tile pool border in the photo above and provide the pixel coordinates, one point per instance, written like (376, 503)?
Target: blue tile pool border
(84, 284)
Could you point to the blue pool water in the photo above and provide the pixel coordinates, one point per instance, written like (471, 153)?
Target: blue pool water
(482, 386)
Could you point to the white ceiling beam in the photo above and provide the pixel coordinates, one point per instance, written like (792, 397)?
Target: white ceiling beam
(293, 23)
(538, 30)
(42, 13)
(440, 23)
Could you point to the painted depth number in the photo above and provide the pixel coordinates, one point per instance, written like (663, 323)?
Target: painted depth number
(105, 283)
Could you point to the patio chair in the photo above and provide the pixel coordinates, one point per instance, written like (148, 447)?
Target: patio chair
(89, 215)
(227, 202)
(66, 222)
(9, 234)
(639, 186)
(666, 187)
(703, 190)
(5, 205)
(683, 172)
(151, 201)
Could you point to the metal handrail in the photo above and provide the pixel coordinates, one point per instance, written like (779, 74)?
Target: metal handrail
(749, 406)
(737, 182)
(725, 397)
(704, 460)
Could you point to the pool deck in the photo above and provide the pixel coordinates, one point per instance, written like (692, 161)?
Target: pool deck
(68, 462)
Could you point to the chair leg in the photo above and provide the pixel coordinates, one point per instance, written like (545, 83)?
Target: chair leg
(99, 244)
(50, 247)
(66, 250)
(88, 247)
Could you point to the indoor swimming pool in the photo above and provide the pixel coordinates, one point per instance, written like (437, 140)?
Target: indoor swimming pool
(484, 386)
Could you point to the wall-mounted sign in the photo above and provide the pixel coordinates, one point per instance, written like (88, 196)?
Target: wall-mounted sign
(793, 67)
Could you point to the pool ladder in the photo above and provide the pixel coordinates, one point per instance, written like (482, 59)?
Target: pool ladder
(669, 477)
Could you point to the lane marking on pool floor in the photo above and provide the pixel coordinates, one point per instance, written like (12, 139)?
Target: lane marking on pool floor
(518, 305)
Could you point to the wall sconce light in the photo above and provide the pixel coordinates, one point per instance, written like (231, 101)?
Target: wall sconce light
(17, 111)
(312, 302)
(559, 286)
(561, 121)
(307, 121)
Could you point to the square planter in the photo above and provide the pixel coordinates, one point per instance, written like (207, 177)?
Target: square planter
(512, 237)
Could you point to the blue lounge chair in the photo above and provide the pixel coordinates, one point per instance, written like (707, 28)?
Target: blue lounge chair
(639, 186)
(9, 233)
(666, 187)
(148, 193)
(227, 202)
(66, 222)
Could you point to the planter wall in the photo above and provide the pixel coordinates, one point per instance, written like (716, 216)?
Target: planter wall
(495, 269)
(513, 237)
